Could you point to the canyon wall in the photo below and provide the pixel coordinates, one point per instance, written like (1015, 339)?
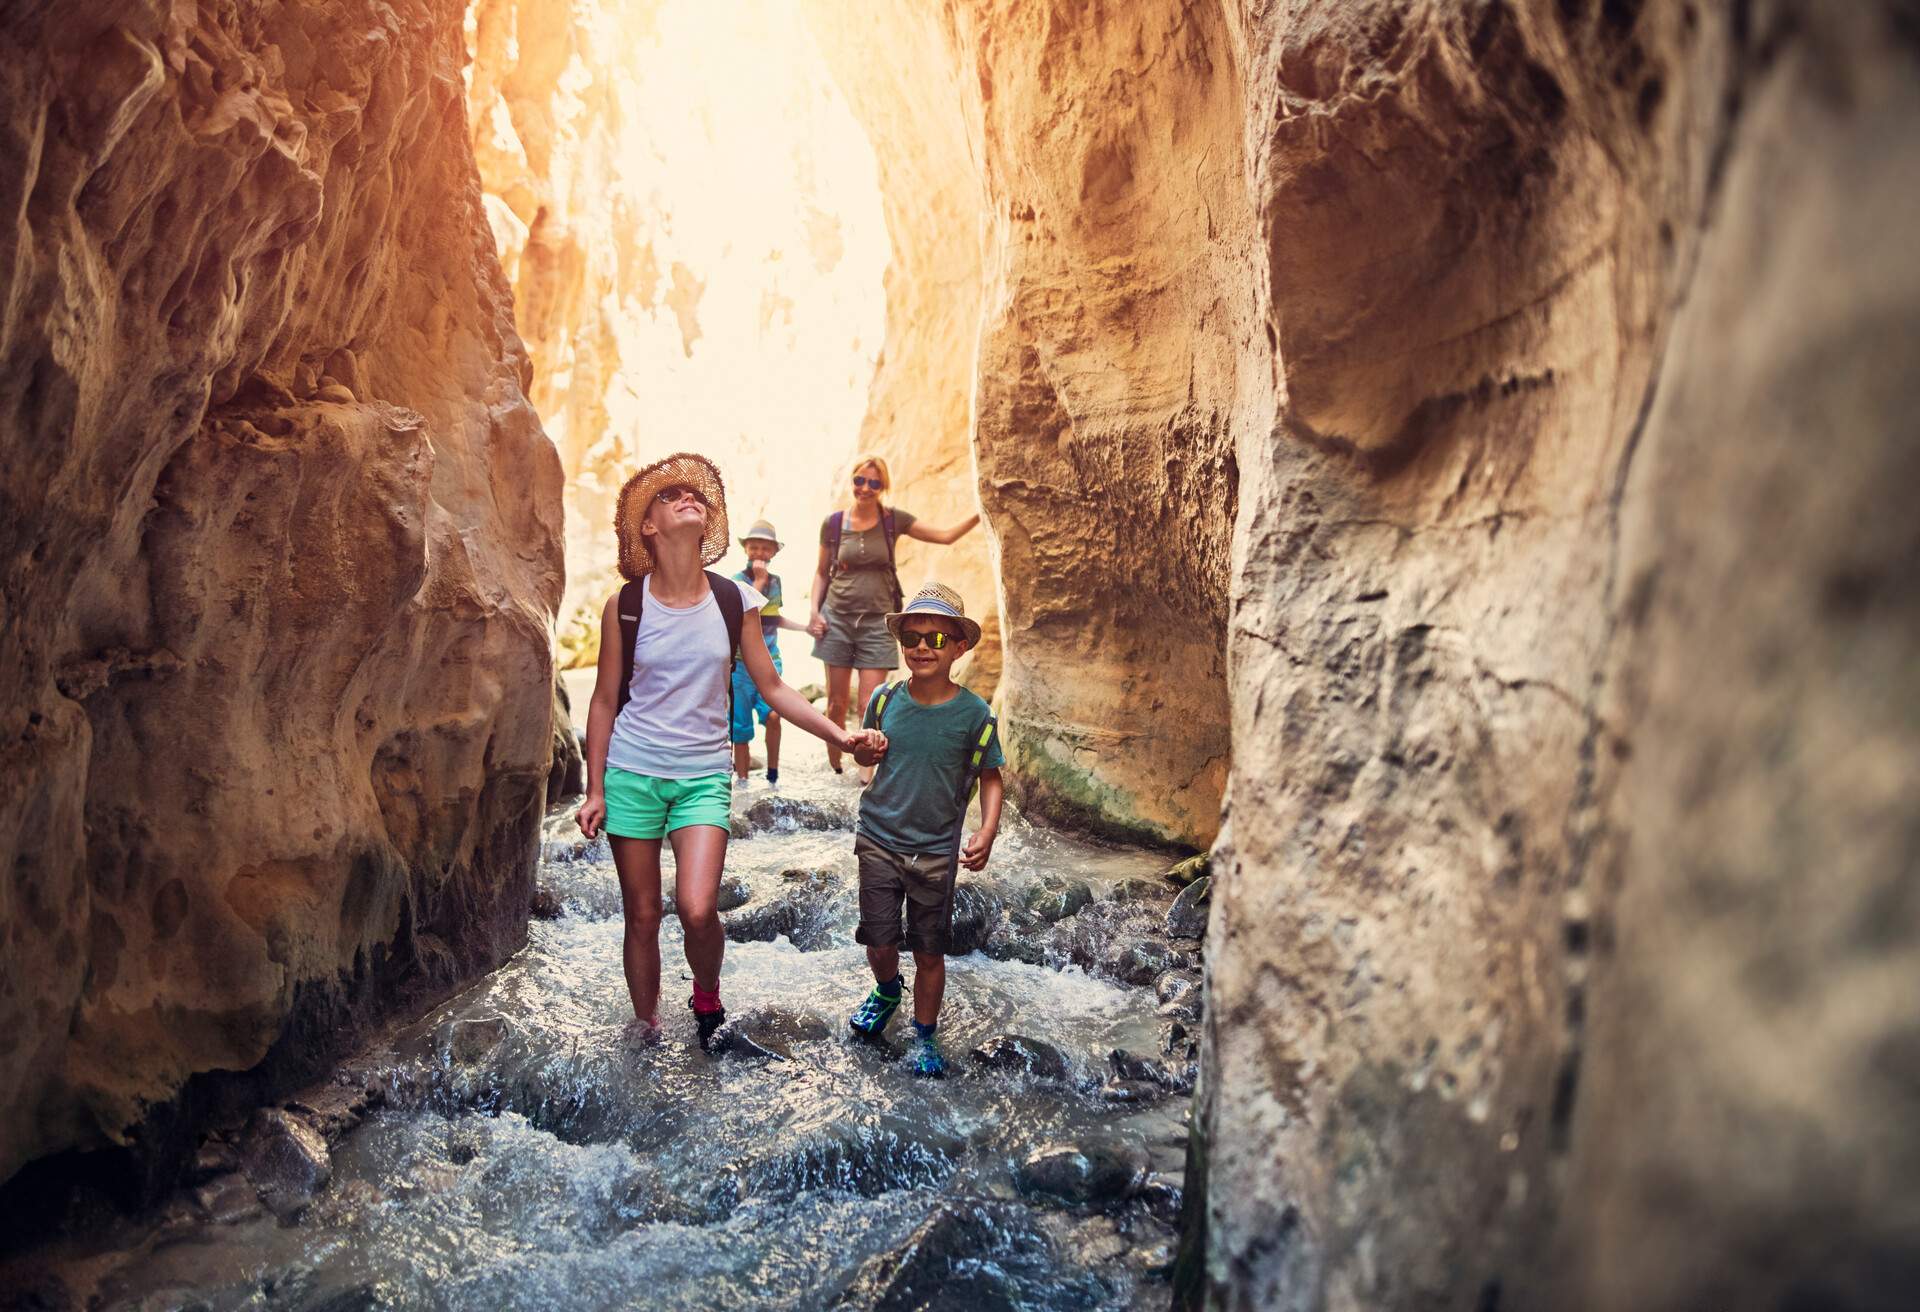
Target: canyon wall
(1076, 281)
(281, 545)
(1547, 362)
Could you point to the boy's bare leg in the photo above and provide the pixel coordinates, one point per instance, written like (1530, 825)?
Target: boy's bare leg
(773, 743)
(638, 862)
(740, 760)
(929, 985)
(885, 963)
(698, 853)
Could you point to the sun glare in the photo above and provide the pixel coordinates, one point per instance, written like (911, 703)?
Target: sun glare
(691, 218)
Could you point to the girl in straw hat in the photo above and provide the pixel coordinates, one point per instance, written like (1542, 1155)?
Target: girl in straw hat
(657, 749)
(857, 585)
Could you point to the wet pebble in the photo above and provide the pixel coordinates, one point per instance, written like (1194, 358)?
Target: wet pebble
(226, 1199)
(1187, 917)
(1139, 963)
(1163, 1197)
(545, 905)
(1186, 872)
(1018, 1054)
(470, 1042)
(286, 1160)
(1085, 1173)
(1054, 899)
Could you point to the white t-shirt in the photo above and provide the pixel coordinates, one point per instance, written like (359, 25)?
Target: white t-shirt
(674, 725)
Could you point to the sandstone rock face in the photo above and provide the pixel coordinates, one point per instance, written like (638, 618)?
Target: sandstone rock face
(281, 551)
(1547, 361)
(1562, 797)
(1086, 255)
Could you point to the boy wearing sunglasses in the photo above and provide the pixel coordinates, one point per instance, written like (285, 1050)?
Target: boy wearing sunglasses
(935, 740)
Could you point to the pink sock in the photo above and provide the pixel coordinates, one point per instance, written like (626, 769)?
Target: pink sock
(706, 999)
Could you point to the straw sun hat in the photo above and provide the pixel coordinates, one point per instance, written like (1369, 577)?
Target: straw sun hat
(696, 472)
(941, 602)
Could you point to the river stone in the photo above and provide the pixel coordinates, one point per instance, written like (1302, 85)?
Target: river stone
(974, 915)
(1007, 942)
(1163, 1197)
(1132, 1091)
(1193, 868)
(791, 813)
(734, 893)
(1131, 1066)
(1175, 985)
(732, 1040)
(1099, 1171)
(1187, 917)
(286, 1159)
(1135, 889)
(1034, 1058)
(1053, 899)
(963, 1258)
(1139, 963)
(760, 924)
(470, 1041)
(226, 1199)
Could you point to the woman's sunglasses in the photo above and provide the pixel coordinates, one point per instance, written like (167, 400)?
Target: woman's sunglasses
(873, 483)
(936, 640)
(666, 496)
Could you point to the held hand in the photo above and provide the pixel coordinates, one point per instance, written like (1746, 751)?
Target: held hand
(592, 816)
(817, 626)
(978, 848)
(867, 746)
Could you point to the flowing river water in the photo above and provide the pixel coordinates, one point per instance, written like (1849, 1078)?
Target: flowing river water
(519, 1147)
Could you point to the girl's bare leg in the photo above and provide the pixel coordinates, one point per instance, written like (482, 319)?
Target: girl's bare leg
(638, 862)
(699, 851)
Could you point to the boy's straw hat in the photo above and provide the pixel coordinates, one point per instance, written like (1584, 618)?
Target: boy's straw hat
(942, 601)
(762, 531)
(638, 493)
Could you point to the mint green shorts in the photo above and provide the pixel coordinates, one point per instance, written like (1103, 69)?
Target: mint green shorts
(641, 806)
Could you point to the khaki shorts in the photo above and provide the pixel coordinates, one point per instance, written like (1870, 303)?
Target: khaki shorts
(923, 881)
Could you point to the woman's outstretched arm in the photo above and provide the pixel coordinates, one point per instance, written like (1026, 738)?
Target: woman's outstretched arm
(600, 715)
(944, 536)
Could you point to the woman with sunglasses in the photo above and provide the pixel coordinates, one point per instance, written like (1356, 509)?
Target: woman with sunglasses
(658, 759)
(857, 585)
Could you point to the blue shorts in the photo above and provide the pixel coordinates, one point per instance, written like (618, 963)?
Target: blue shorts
(747, 701)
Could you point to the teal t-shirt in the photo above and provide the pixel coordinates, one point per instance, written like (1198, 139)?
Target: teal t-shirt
(914, 800)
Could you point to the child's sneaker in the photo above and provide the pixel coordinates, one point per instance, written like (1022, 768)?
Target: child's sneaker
(924, 1058)
(871, 1017)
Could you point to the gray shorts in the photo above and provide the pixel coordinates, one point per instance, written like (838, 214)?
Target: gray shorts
(858, 642)
(923, 882)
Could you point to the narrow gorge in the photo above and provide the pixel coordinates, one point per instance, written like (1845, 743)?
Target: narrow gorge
(1441, 460)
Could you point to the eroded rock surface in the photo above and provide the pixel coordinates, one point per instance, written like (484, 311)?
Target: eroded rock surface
(1548, 359)
(280, 538)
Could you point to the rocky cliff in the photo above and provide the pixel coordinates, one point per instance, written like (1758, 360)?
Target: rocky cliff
(280, 537)
(1491, 413)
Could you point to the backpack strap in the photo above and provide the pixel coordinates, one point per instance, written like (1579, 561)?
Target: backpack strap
(733, 613)
(980, 745)
(877, 710)
(836, 523)
(632, 597)
(888, 531)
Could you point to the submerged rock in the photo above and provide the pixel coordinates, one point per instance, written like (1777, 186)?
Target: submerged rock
(470, 1042)
(1018, 1054)
(1083, 1174)
(787, 814)
(1054, 898)
(966, 1257)
(286, 1161)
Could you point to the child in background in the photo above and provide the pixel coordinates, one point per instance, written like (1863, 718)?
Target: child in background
(760, 543)
(934, 740)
